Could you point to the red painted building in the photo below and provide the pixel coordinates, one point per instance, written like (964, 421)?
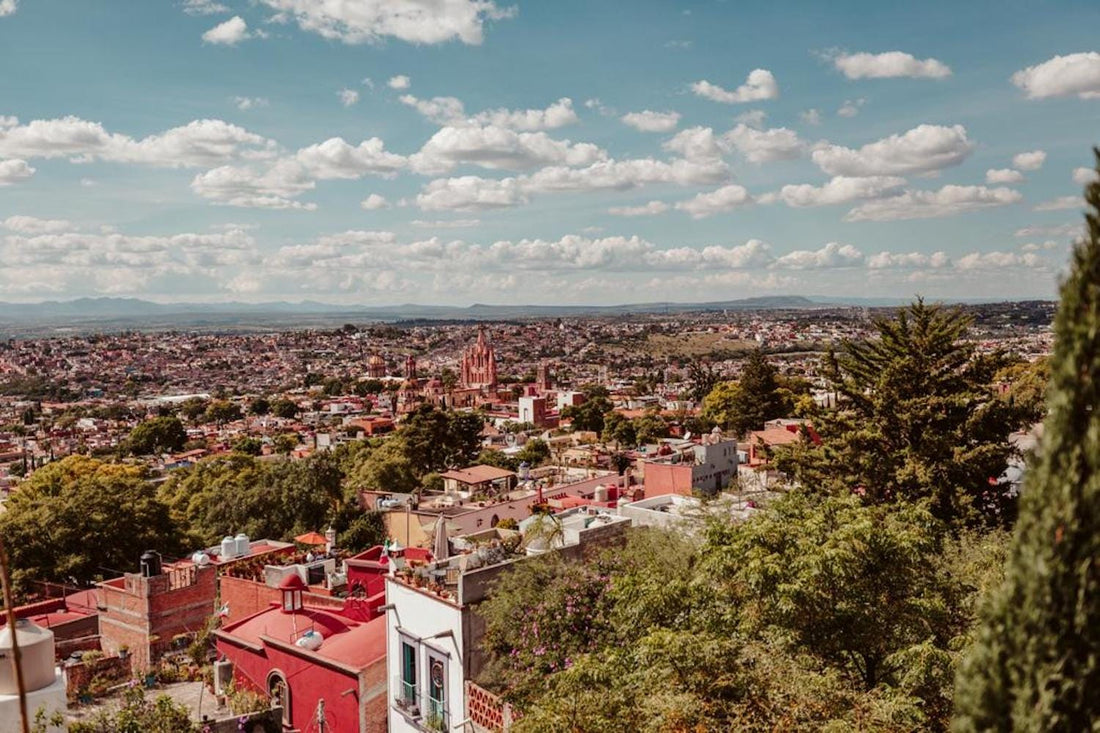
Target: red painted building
(311, 659)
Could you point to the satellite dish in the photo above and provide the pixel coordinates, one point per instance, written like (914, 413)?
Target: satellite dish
(687, 435)
(510, 439)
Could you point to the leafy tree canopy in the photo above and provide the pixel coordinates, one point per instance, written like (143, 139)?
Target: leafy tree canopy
(79, 518)
(918, 420)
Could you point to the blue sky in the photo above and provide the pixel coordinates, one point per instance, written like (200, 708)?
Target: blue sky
(459, 151)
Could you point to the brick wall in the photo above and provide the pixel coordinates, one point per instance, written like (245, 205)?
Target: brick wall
(139, 609)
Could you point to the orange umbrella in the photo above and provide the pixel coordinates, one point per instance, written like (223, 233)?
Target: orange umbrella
(310, 538)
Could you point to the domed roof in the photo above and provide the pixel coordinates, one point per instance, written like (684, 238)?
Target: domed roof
(376, 360)
(292, 582)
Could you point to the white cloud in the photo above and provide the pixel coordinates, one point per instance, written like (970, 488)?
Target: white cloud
(1061, 203)
(34, 225)
(650, 121)
(752, 117)
(348, 97)
(762, 146)
(759, 85)
(831, 255)
(1084, 176)
(712, 202)
(840, 190)
(908, 260)
(274, 188)
(626, 174)
(440, 110)
(1003, 175)
(247, 103)
(947, 201)
(499, 148)
(811, 117)
(8, 7)
(368, 21)
(889, 65)
(558, 114)
(851, 107)
(997, 260)
(198, 143)
(1041, 246)
(696, 143)
(446, 223)
(14, 171)
(229, 33)
(651, 208)
(203, 7)
(451, 111)
(336, 158)
(374, 202)
(1061, 230)
(399, 82)
(277, 185)
(1077, 74)
(470, 193)
(1030, 161)
(923, 149)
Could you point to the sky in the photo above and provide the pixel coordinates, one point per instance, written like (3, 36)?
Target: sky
(537, 151)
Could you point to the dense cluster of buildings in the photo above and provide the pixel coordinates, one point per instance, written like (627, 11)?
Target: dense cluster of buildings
(390, 638)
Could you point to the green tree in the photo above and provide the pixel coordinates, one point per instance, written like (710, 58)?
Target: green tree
(137, 714)
(386, 468)
(193, 408)
(285, 443)
(159, 435)
(918, 420)
(720, 405)
(1035, 666)
(284, 408)
(79, 518)
(436, 439)
(619, 429)
(222, 411)
(251, 445)
(535, 452)
(651, 427)
(590, 414)
(745, 405)
(259, 406)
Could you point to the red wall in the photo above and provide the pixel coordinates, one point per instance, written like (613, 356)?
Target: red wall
(667, 478)
(309, 682)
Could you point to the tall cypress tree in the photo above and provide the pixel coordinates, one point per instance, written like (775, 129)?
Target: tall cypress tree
(1036, 663)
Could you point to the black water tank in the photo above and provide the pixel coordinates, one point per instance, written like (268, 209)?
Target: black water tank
(150, 564)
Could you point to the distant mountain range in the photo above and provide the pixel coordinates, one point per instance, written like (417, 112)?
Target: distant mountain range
(133, 312)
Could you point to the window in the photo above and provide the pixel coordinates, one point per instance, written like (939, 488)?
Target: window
(406, 691)
(435, 701)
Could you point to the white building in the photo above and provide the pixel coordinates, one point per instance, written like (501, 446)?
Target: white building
(433, 630)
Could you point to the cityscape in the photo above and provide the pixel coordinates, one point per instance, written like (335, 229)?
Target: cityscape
(458, 365)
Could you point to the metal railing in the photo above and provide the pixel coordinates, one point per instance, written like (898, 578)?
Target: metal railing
(427, 712)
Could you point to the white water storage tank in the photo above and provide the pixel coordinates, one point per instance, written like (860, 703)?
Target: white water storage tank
(200, 558)
(36, 652)
(229, 548)
(310, 640)
(242, 544)
(601, 493)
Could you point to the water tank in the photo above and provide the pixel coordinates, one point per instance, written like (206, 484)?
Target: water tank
(36, 651)
(200, 558)
(601, 493)
(229, 548)
(310, 640)
(242, 544)
(150, 564)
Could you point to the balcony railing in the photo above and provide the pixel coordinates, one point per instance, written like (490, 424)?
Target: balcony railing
(405, 697)
(435, 714)
(427, 712)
